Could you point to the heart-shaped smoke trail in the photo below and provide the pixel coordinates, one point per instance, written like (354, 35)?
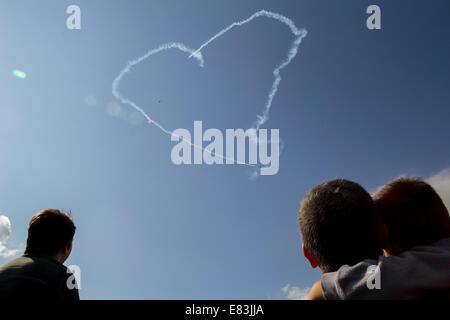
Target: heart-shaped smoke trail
(261, 119)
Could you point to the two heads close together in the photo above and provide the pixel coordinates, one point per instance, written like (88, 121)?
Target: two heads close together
(342, 224)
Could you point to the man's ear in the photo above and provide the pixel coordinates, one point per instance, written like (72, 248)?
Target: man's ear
(68, 249)
(384, 235)
(389, 249)
(312, 260)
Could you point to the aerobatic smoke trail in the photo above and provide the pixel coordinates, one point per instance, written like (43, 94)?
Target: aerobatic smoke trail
(298, 33)
(132, 63)
(261, 119)
(167, 46)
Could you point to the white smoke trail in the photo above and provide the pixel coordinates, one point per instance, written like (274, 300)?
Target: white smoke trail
(132, 63)
(299, 35)
(261, 119)
(164, 47)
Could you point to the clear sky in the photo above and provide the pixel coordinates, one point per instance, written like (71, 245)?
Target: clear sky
(366, 105)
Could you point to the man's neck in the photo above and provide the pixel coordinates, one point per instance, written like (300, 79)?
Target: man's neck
(59, 257)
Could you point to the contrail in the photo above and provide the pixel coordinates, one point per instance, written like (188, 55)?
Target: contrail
(299, 35)
(167, 46)
(261, 119)
(132, 63)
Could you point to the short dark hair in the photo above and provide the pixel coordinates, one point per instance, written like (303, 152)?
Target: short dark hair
(413, 213)
(49, 230)
(340, 225)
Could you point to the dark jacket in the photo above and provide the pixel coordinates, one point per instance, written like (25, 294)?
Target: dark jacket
(36, 277)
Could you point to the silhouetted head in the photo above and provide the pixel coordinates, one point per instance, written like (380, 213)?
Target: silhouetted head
(413, 213)
(50, 233)
(339, 225)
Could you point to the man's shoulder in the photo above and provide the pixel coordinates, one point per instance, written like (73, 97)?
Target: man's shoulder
(441, 247)
(33, 266)
(16, 264)
(424, 255)
(421, 271)
(35, 274)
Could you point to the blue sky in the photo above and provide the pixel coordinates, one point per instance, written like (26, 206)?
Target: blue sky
(359, 104)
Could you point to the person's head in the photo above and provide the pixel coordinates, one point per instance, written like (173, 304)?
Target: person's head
(339, 225)
(413, 213)
(50, 233)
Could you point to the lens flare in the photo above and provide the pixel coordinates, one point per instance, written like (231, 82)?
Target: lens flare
(91, 100)
(19, 74)
(113, 109)
(135, 118)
